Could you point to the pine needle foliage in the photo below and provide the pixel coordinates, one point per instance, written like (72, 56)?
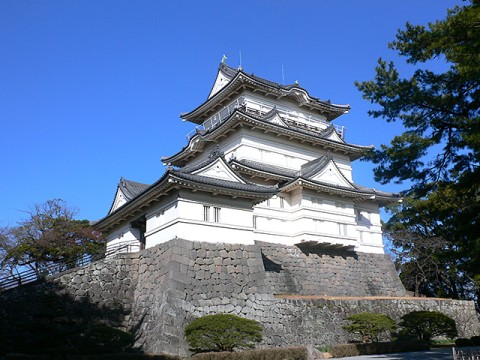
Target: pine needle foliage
(425, 325)
(370, 326)
(222, 332)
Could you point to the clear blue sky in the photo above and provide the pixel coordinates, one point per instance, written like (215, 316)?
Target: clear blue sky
(92, 90)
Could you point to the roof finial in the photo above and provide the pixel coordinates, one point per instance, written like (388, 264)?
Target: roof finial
(224, 58)
(240, 68)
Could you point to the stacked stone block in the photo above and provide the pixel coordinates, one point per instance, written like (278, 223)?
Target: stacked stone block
(316, 271)
(158, 291)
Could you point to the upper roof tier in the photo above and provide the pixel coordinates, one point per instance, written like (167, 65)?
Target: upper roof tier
(230, 82)
(327, 138)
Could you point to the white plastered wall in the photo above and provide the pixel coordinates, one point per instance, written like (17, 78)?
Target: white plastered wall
(201, 217)
(271, 150)
(369, 228)
(124, 239)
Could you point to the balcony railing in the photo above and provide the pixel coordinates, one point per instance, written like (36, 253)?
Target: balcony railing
(259, 108)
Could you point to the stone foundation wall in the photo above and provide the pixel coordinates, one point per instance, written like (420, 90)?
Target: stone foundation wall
(37, 313)
(314, 271)
(157, 291)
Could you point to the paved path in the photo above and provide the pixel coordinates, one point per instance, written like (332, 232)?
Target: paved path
(434, 354)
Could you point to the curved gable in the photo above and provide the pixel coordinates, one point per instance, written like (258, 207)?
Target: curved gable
(219, 170)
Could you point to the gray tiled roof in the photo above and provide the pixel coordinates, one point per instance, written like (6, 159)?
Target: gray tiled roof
(144, 194)
(224, 125)
(313, 167)
(231, 72)
(215, 154)
(233, 185)
(309, 169)
(195, 115)
(131, 188)
(262, 167)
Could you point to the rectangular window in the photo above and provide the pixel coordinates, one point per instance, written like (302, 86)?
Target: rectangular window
(282, 203)
(342, 229)
(254, 222)
(216, 214)
(206, 213)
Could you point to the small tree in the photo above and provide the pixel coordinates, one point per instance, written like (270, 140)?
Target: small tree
(425, 325)
(222, 332)
(50, 236)
(369, 325)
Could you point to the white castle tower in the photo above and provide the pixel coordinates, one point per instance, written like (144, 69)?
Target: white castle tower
(264, 163)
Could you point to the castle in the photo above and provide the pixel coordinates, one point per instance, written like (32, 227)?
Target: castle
(264, 163)
(256, 216)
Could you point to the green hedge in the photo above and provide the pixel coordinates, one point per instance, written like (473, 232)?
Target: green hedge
(121, 356)
(462, 342)
(475, 340)
(377, 348)
(294, 353)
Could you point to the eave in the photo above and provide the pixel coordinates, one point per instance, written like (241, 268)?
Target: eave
(257, 196)
(255, 172)
(242, 81)
(239, 119)
(357, 195)
(174, 180)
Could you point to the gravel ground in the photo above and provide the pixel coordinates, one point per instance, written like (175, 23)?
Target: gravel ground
(434, 354)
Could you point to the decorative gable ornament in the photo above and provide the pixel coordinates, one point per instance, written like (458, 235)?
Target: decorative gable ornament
(219, 170)
(333, 175)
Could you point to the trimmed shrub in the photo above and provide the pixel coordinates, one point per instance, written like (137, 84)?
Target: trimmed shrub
(377, 348)
(345, 350)
(463, 342)
(120, 356)
(425, 325)
(295, 353)
(222, 332)
(475, 340)
(370, 326)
